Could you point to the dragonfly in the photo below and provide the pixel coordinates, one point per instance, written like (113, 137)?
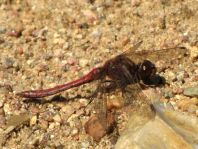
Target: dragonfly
(125, 71)
(126, 68)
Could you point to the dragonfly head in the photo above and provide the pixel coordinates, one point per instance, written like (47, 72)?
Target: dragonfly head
(146, 70)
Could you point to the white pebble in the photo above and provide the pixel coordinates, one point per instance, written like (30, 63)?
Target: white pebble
(57, 118)
(33, 120)
(83, 62)
(74, 131)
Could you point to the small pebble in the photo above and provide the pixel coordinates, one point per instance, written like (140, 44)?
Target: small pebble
(180, 76)
(85, 144)
(135, 3)
(74, 132)
(47, 115)
(6, 108)
(180, 97)
(33, 120)
(193, 52)
(79, 36)
(44, 124)
(42, 33)
(67, 109)
(83, 102)
(34, 109)
(8, 62)
(83, 62)
(72, 61)
(178, 90)
(66, 45)
(170, 76)
(57, 118)
(48, 56)
(75, 68)
(83, 26)
(51, 125)
(124, 41)
(168, 94)
(43, 67)
(20, 50)
(2, 30)
(90, 15)
(76, 105)
(59, 41)
(15, 33)
(58, 52)
(114, 102)
(66, 112)
(96, 33)
(51, 136)
(67, 131)
(173, 103)
(195, 78)
(191, 91)
(94, 128)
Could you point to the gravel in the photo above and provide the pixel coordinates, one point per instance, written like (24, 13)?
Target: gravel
(46, 44)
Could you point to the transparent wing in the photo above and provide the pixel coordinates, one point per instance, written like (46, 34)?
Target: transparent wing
(168, 54)
(138, 107)
(104, 111)
(132, 93)
(100, 105)
(133, 102)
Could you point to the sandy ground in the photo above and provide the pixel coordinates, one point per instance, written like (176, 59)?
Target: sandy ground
(46, 43)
